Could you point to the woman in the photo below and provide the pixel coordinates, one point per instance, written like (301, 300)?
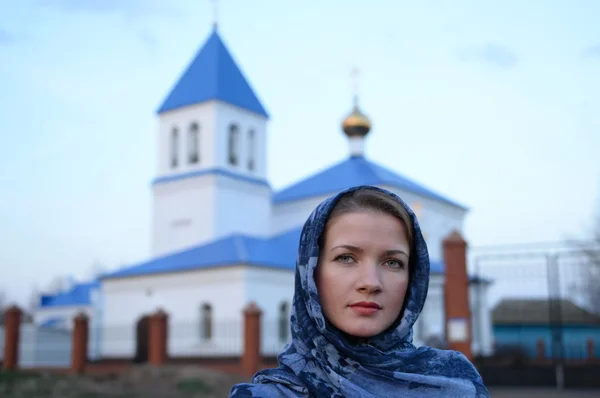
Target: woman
(361, 281)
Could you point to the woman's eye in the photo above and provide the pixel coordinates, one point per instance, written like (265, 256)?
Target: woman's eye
(344, 259)
(394, 264)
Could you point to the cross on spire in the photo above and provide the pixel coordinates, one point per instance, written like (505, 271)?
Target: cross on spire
(354, 75)
(215, 13)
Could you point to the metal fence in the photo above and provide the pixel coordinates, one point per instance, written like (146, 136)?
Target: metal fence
(544, 312)
(41, 347)
(221, 338)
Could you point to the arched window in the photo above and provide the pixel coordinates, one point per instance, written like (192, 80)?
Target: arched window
(233, 145)
(174, 146)
(251, 149)
(193, 144)
(206, 322)
(284, 322)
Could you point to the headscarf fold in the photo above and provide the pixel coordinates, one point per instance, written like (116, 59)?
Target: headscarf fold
(321, 362)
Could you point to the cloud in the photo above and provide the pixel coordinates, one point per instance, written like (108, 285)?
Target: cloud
(491, 54)
(129, 8)
(5, 37)
(592, 51)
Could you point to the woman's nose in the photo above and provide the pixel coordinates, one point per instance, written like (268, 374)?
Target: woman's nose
(369, 279)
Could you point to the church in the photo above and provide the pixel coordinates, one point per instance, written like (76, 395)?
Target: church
(222, 237)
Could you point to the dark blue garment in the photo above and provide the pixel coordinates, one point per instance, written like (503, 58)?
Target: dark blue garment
(321, 362)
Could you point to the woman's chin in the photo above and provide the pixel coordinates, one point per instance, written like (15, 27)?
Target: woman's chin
(363, 331)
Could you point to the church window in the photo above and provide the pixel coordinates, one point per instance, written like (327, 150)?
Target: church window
(174, 146)
(251, 149)
(206, 321)
(193, 143)
(284, 318)
(233, 144)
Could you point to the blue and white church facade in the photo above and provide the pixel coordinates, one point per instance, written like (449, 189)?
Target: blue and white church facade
(222, 237)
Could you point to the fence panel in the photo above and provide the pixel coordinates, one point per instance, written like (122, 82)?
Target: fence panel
(1, 344)
(44, 347)
(542, 311)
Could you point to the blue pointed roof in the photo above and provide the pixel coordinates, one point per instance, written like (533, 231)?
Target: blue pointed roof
(277, 252)
(213, 75)
(354, 171)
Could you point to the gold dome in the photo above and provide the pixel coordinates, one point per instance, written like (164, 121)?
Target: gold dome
(356, 124)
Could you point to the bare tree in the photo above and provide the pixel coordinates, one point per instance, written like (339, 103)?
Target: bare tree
(96, 270)
(589, 285)
(57, 284)
(34, 300)
(3, 301)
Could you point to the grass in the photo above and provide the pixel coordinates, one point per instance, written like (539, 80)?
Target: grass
(193, 386)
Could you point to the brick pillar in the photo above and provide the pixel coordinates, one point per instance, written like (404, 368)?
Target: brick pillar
(12, 334)
(456, 294)
(541, 349)
(79, 354)
(157, 338)
(590, 349)
(251, 356)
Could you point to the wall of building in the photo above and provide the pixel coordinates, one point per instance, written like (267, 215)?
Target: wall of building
(225, 114)
(181, 296)
(270, 289)
(213, 119)
(182, 214)
(189, 212)
(241, 207)
(526, 337)
(197, 203)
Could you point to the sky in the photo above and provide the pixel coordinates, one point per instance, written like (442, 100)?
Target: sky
(493, 104)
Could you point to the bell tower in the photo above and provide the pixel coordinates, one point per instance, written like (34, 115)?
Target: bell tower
(211, 171)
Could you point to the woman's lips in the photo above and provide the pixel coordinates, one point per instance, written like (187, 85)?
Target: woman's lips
(366, 307)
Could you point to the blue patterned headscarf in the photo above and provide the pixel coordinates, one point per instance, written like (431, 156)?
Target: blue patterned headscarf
(321, 362)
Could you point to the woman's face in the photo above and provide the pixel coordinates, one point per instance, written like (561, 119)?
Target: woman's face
(362, 274)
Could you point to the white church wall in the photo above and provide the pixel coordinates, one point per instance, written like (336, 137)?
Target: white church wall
(189, 212)
(225, 115)
(181, 296)
(214, 119)
(203, 114)
(193, 208)
(183, 214)
(269, 289)
(241, 207)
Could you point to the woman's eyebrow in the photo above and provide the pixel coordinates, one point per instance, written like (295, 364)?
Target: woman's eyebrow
(348, 247)
(396, 251)
(360, 250)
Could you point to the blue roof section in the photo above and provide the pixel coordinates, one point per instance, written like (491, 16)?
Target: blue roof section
(53, 322)
(212, 171)
(79, 294)
(352, 172)
(279, 252)
(276, 252)
(213, 75)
